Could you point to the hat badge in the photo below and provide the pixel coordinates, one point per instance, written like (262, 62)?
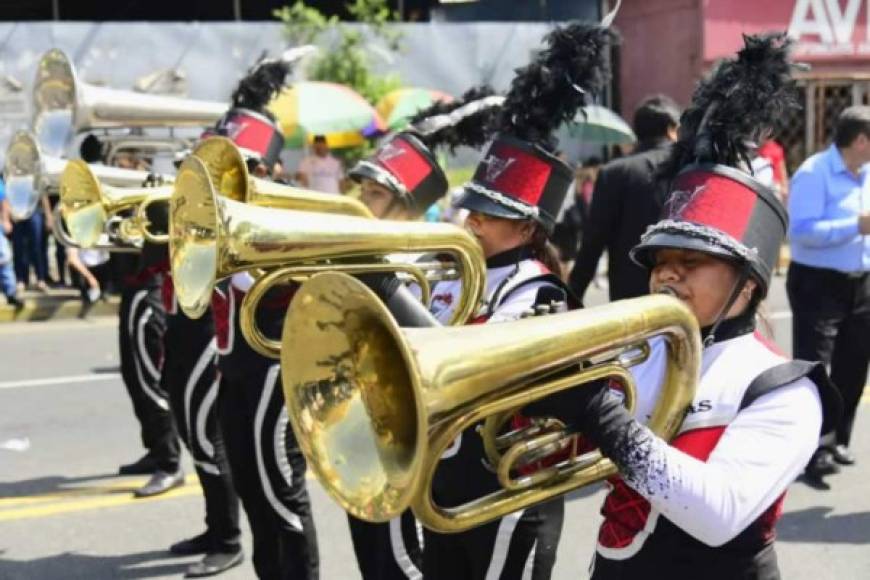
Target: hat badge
(495, 166)
(679, 200)
(390, 151)
(234, 128)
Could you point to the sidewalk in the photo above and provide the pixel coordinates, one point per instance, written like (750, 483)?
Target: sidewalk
(56, 304)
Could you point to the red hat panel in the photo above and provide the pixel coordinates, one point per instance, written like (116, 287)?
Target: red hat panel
(251, 131)
(713, 200)
(404, 162)
(514, 172)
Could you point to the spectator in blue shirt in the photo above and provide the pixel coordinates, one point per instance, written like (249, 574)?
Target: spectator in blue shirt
(829, 277)
(7, 272)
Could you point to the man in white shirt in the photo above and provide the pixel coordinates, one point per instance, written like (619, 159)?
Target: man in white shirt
(321, 171)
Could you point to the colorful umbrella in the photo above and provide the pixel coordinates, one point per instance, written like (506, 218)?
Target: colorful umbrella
(316, 108)
(601, 125)
(397, 106)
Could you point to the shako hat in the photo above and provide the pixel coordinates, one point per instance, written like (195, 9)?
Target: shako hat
(248, 122)
(715, 205)
(405, 162)
(520, 175)
(256, 134)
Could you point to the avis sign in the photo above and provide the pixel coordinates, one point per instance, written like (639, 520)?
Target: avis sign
(831, 28)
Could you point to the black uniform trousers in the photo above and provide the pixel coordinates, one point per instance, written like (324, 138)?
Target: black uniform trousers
(390, 550)
(140, 339)
(269, 474)
(267, 466)
(831, 323)
(515, 547)
(190, 377)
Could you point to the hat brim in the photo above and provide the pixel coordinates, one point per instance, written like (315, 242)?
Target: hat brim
(473, 201)
(643, 254)
(378, 175)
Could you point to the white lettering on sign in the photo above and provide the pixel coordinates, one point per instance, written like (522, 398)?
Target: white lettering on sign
(831, 20)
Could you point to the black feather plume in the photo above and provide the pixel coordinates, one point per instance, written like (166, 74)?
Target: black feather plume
(262, 83)
(472, 129)
(739, 104)
(550, 90)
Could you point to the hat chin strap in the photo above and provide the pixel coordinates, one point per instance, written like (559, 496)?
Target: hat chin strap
(735, 293)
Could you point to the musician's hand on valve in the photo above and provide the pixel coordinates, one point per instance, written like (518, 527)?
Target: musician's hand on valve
(592, 409)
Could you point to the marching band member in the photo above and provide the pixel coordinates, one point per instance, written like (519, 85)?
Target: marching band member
(706, 504)
(141, 325)
(268, 469)
(513, 200)
(190, 377)
(400, 182)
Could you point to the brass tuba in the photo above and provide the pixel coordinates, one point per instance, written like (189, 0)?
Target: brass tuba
(212, 237)
(375, 406)
(63, 105)
(89, 208)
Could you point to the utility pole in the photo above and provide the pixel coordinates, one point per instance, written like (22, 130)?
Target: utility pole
(237, 10)
(55, 9)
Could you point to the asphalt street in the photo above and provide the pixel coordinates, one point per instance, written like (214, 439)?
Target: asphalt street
(66, 424)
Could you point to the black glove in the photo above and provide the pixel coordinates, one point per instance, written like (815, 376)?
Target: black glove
(592, 409)
(408, 311)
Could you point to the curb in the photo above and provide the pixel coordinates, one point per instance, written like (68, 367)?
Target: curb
(56, 308)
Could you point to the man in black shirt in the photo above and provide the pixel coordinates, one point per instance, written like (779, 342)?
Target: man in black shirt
(627, 199)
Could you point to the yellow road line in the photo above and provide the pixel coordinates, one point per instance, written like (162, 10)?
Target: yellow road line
(92, 503)
(87, 498)
(125, 485)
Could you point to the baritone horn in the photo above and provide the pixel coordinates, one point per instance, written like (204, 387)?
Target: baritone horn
(216, 169)
(89, 208)
(375, 406)
(212, 237)
(64, 105)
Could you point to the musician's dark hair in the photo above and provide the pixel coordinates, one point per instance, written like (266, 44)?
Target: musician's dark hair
(91, 149)
(544, 251)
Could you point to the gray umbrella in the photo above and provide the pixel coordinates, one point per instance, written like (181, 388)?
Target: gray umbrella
(597, 124)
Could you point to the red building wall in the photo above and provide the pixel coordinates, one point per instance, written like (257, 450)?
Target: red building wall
(661, 50)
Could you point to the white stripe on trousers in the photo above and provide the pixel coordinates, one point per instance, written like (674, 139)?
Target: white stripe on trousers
(195, 432)
(529, 568)
(268, 388)
(136, 334)
(506, 528)
(147, 313)
(400, 553)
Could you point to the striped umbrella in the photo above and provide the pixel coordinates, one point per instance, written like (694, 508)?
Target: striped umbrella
(311, 108)
(398, 106)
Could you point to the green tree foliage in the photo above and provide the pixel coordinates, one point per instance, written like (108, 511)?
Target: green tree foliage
(346, 53)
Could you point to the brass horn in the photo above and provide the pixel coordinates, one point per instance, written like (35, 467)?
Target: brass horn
(375, 406)
(229, 175)
(30, 174)
(64, 105)
(212, 237)
(89, 207)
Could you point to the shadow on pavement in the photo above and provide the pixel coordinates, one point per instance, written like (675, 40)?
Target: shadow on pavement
(49, 484)
(815, 525)
(73, 565)
(106, 370)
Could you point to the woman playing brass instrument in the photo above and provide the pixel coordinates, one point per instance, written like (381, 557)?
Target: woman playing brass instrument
(400, 181)
(268, 470)
(705, 504)
(513, 199)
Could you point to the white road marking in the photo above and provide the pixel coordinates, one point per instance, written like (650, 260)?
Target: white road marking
(60, 380)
